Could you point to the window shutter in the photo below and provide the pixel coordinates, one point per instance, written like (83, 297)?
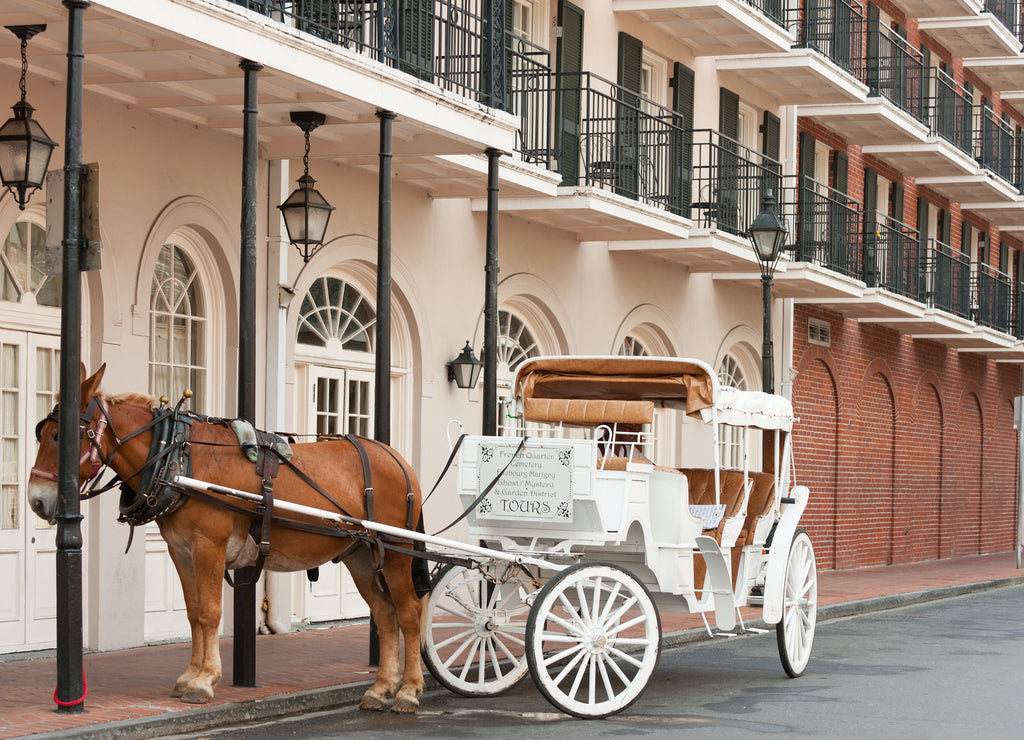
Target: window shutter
(896, 202)
(874, 38)
(840, 172)
(806, 247)
(631, 58)
(416, 38)
(567, 114)
(729, 113)
(627, 117)
(681, 143)
(771, 136)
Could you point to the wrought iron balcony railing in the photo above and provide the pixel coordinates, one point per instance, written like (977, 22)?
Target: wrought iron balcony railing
(951, 111)
(993, 294)
(895, 70)
(948, 279)
(891, 258)
(728, 182)
(774, 10)
(825, 227)
(1008, 12)
(530, 98)
(446, 42)
(833, 27)
(610, 137)
(995, 145)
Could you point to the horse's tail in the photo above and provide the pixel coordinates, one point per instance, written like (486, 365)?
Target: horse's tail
(424, 620)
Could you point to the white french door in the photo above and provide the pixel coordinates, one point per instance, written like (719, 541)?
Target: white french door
(340, 401)
(29, 378)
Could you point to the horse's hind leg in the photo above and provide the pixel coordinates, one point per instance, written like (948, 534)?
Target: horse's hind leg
(408, 609)
(387, 680)
(188, 587)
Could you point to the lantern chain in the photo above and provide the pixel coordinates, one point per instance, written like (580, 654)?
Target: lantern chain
(24, 65)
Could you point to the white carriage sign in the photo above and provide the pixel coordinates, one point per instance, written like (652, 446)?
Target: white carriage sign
(536, 486)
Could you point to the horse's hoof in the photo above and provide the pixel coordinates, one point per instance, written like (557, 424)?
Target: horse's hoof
(405, 704)
(372, 703)
(196, 696)
(178, 690)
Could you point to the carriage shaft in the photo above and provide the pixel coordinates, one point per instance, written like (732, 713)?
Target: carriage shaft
(181, 480)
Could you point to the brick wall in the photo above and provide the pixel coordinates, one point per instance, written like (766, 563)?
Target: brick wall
(907, 446)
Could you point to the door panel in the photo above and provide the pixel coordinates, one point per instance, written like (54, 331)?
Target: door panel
(28, 387)
(340, 402)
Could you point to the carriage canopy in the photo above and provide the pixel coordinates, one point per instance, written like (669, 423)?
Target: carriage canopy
(670, 382)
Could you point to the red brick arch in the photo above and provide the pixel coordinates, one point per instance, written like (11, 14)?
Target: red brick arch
(866, 533)
(962, 499)
(816, 451)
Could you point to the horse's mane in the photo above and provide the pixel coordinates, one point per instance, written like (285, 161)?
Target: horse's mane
(131, 399)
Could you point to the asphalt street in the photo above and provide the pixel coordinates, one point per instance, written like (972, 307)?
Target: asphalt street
(945, 669)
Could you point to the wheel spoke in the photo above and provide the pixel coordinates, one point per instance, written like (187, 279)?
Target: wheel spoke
(618, 671)
(570, 608)
(470, 659)
(625, 656)
(601, 661)
(555, 657)
(580, 673)
(569, 666)
(625, 607)
(462, 648)
(496, 639)
(626, 625)
(582, 600)
(609, 602)
(453, 638)
(592, 679)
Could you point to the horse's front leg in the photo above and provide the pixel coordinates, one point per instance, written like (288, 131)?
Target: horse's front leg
(201, 570)
(408, 610)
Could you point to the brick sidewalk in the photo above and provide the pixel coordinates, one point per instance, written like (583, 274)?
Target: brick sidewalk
(130, 687)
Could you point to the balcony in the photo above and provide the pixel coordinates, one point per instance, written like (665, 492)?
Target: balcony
(622, 159)
(940, 8)
(894, 111)
(994, 32)
(825, 66)
(1002, 74)
(715, 27)
(993, 292)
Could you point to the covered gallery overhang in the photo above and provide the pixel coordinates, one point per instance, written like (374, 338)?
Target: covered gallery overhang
(806, 282)
(973, 35)
(874, 121)
(180, 59)
(704, 250)
(795, 77)
(711, 27)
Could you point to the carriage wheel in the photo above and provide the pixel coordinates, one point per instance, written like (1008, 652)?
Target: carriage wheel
(795, 631)
(476, 624)
(593, 639)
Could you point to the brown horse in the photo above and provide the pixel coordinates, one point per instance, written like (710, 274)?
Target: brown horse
(204, 536)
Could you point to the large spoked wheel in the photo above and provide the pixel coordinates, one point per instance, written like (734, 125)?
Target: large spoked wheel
(476, 627)
(593, 640)
(795, 631)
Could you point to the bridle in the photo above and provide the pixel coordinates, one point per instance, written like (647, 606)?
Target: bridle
(93, 429)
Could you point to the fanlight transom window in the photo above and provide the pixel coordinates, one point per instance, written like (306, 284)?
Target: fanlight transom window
(730, 444)
(515, 343)
(633, 347)
(336, 314)
(23, 267)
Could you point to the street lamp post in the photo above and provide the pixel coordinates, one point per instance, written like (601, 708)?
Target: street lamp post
(768, 235)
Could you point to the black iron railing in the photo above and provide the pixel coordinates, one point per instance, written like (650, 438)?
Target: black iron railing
(993, 294)
(833, 27)
(455, 44)
(621, 142)
(995, 146)
(895, 70)
(1018, 311)
(948, 279)
(891, 258)
(729, 181)
(530, 98)
(774, 10)
(951, 111)
(1008, 12)
(825, 227)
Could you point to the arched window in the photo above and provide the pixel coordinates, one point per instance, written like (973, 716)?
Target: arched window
(334, 312)
(632, 346)
(177, 330)
(516, 343)
(23, 267)
(730, 441)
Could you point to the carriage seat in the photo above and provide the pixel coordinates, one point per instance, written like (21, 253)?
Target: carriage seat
(701, 485)
(624, 419)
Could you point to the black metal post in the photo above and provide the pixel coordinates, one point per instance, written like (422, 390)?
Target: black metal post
(767, 361)
(244, 645)
(490, 351)
(382, 329)
(70, 695)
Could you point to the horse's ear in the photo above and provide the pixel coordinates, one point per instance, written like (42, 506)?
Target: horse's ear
(91, 385)
(82, 378)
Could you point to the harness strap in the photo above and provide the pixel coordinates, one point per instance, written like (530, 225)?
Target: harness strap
(410, 497)
(267, 467)
(364, 460)
(448, 464)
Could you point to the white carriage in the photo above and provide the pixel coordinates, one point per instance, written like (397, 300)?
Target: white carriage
(584, 537)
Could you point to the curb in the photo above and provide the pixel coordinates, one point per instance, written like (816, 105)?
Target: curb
(190, 721)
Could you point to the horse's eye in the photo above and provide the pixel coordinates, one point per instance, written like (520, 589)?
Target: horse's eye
(55, 436)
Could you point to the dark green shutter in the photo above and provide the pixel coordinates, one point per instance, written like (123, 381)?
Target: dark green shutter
(627, 117)
(896, 197)
(416, 37)
(872, 267)
(842, 220)
(681, 142)
(567, 104)
(840, 172)
(922, 248)
(771, 147)
(729, 162)
(874, 42)
(806, 246)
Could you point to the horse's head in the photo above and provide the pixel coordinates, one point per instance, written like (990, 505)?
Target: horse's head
(42, 482)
